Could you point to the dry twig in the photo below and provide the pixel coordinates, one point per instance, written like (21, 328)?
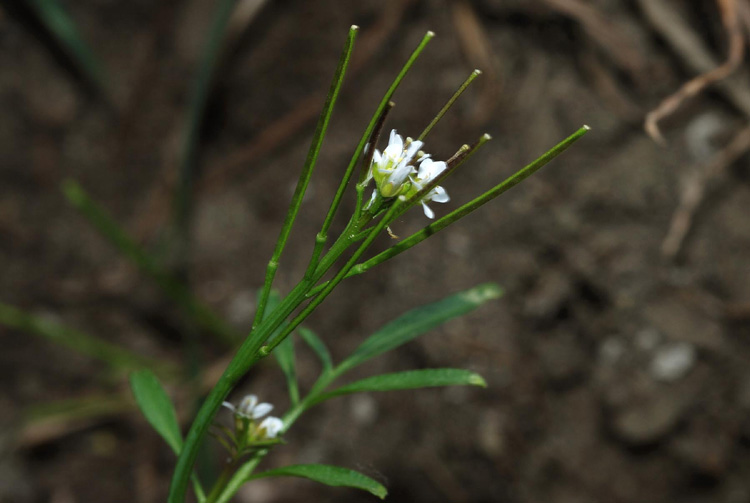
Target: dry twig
(695, 189)
(694, 86)
(476, 45)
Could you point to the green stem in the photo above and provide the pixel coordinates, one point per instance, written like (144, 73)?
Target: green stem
(304, 179)
(246, 470)
(461, 212)
(247, 355)
(453, 164)
(221, 482)
(370, 127)
(249, 352)
(444, 110)
(471, 206)
(266, 350)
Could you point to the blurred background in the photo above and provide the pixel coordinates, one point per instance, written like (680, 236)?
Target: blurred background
(617, 361)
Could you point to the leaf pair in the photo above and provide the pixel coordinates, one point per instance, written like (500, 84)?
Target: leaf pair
(394, 334)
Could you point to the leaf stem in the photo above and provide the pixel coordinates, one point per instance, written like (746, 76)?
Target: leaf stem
(471, 206)
(304, 179)
(370, 127)
(451, 101)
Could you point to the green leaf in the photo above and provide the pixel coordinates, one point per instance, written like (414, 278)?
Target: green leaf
(115, 356)
(127, 246)
(63, 30)
(318, 346)
(157, 407)
(418, 321)
(284, 354)
(411, 379)
(329, 475)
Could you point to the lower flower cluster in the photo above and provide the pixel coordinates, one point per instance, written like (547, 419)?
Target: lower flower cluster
(249, 434)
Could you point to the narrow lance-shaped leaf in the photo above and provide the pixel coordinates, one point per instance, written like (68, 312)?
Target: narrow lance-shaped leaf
(157, 407)
(410, 379)
(418, 321)
(329, 475)
(318, 346)
(284, 353)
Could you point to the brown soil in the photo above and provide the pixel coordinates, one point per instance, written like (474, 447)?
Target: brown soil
(615, 375)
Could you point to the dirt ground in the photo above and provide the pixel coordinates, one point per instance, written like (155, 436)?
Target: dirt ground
(617, 368)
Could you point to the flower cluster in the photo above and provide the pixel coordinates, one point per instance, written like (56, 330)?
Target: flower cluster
(395, 173)
(246, 414)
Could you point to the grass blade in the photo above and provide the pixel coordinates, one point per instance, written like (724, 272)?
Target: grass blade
(61, 27)
(115, 356)
(105, 224)
(200, 92)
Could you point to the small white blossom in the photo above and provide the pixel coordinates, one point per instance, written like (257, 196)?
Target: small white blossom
(270, 427)
(249, 408)
(393, 167)
(428, 171)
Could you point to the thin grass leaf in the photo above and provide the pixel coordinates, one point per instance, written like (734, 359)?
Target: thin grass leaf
(113, 355)
(157, 407)
(61, 27)
(201, 90)
(74, 409)
(318, 346)
(410, 379)
(329, 475)
(106, 225)
(419, 321)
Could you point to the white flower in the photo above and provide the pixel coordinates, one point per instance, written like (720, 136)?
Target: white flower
(249, 408)
(428, 171)
(393, 167)
(270, 427)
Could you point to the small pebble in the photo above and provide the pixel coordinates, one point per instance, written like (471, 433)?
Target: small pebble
(672, 361)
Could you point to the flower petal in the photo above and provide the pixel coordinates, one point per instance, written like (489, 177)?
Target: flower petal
(261, 410)
(395, 146)
(247, 404)
(439, 195)
(429, 169)
(272, 426)
(427, 211)
(412, 150)
(372, 198)
(399, 174)
(229, 406)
